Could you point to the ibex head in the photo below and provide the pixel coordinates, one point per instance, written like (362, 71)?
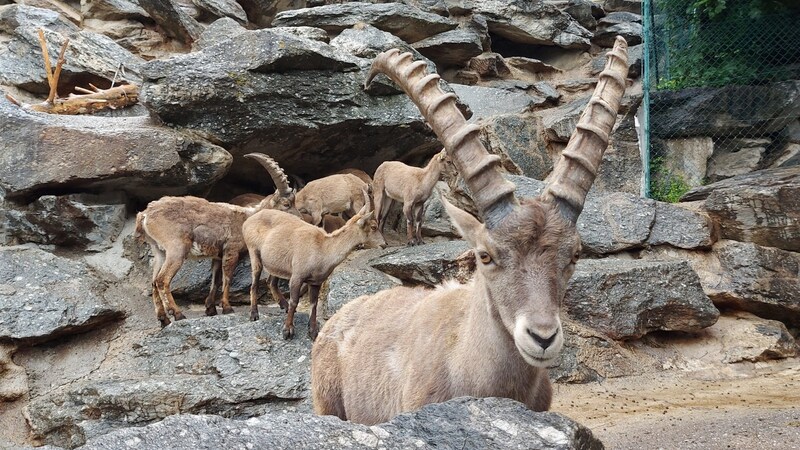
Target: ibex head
(283, 199)
(367, 225)
(525, 250)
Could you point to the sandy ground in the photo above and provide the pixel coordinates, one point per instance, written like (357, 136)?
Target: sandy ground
(759, 410)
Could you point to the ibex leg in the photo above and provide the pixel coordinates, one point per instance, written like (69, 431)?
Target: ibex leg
(419, 212)
(272, 281)
(256, 268)
(294, 299)
(211, 300)
(229, 261)
(172, 264)
(313, 326)
(158, 303)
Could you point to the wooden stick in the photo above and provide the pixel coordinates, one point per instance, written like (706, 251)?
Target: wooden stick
(47, 68)
(57, 73)
(13, 100)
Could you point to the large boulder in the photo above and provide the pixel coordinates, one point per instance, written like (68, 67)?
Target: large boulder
(428, 264)
(43, 297)
(488, 423)
(85, 221)
(517, 138)
(43, 153)
(349, 281)
(299, 100)
(451, 48)
(626, 299)
(223, 365)
(173, 19)
(112, 10)
(406, 22)
(750, 111)
(761, 207)
(736, 157)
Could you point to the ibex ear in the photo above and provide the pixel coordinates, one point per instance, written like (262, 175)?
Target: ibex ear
(468, 226)
(365, 216)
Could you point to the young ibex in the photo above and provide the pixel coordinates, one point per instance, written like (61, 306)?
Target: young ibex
(410, 185)
(339, 193)
(495, 336)
(289, 248)
(181, 227)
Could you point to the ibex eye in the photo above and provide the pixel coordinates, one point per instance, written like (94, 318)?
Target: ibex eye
(485, 257)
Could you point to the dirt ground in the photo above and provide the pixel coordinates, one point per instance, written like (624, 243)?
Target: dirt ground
(758, 409)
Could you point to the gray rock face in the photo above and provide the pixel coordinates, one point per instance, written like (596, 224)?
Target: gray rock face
(634, 61)
(300, 98)
(428, 264)
(176, 22)
(559, 123)
(223, 365)
(727, 111)
(223, 8)
(348, 282)
(622, 168)
(43, 296)
(517, 138)
(736, 157)
(78, 220)
(585, 12)
(490, 423)
(632, 32)
(14, 16)
(406, 22)
(761, 207)
(537, 23)
(615, 222)
(626, 299)
(486, 102)
(89, 55)
(687, 158)
(43, 152)
(451, 48)
(112, 9)
(680, 227)
(219, 30)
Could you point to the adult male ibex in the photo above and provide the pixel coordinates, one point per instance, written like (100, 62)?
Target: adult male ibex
(190, 227)
(399, 349)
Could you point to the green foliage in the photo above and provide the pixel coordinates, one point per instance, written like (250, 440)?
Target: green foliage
(666, 186)
(724, 42)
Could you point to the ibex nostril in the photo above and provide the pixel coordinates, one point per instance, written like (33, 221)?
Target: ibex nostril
(543, 342)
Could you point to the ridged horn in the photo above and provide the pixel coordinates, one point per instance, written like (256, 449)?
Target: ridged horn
(577, 168)
(275, 172)
(493, 195)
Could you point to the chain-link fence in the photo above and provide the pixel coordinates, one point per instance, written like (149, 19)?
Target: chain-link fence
(722, 90)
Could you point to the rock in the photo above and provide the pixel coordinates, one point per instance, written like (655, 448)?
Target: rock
(746, 277)
(585, 12)
(349, 281)
(223, 8)
(517, 138)
(217, 365)
(300, 98)
(428, 264)
(626, 299)
(490, 65)
(590, 356)
(176, 22)
(112, 10)
(406, 22)
(193, 281)
(486, 102)
(614, 222)
(530, 65)
(559, 123)
(751, 338)
(633, 6)
(15, 16)
(262, 12)
(761, 207)
(43, 153)
(728, 111)
(38, 305)
(634, 61)
(621, 169)
(632, 32)
(219, 30)
(89, 56)
(85, 221)
(536, 23)
(131, 35)
(736, 157)
(13, 378)
(489, 423)
(681, 227)
(618, 17)
(686, 159)
(451, 48)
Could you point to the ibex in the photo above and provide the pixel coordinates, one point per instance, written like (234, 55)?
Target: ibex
(289, 248)
(410, 185)
(399, 349)
(182, 227)
(339, 193)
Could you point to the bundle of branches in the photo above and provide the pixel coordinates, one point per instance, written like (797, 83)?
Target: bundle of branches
(91, 100)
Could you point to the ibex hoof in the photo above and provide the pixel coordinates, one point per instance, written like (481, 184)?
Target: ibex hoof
(288, 332)
(211, 311)
(228, 310)
(164, 321)
(179, 316)
(253, 315)
(283, 304)
(312, 333)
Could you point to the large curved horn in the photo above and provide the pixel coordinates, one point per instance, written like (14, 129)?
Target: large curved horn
(493, 195)
(275, 172)
(577, 168)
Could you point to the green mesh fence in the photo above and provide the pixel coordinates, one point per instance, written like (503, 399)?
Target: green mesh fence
(722, 90)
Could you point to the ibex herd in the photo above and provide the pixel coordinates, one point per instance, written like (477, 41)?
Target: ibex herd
(402, 348)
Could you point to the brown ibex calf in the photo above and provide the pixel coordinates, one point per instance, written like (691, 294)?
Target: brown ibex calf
(289, 248)
(395, 180)
(190, 227)
(334, 194)
(399, 349)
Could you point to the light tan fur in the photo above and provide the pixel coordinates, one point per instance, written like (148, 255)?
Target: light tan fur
(289, 248)
(334, 194)
(177, 228)
(395, 180)
(364, 176)
(400, 349)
